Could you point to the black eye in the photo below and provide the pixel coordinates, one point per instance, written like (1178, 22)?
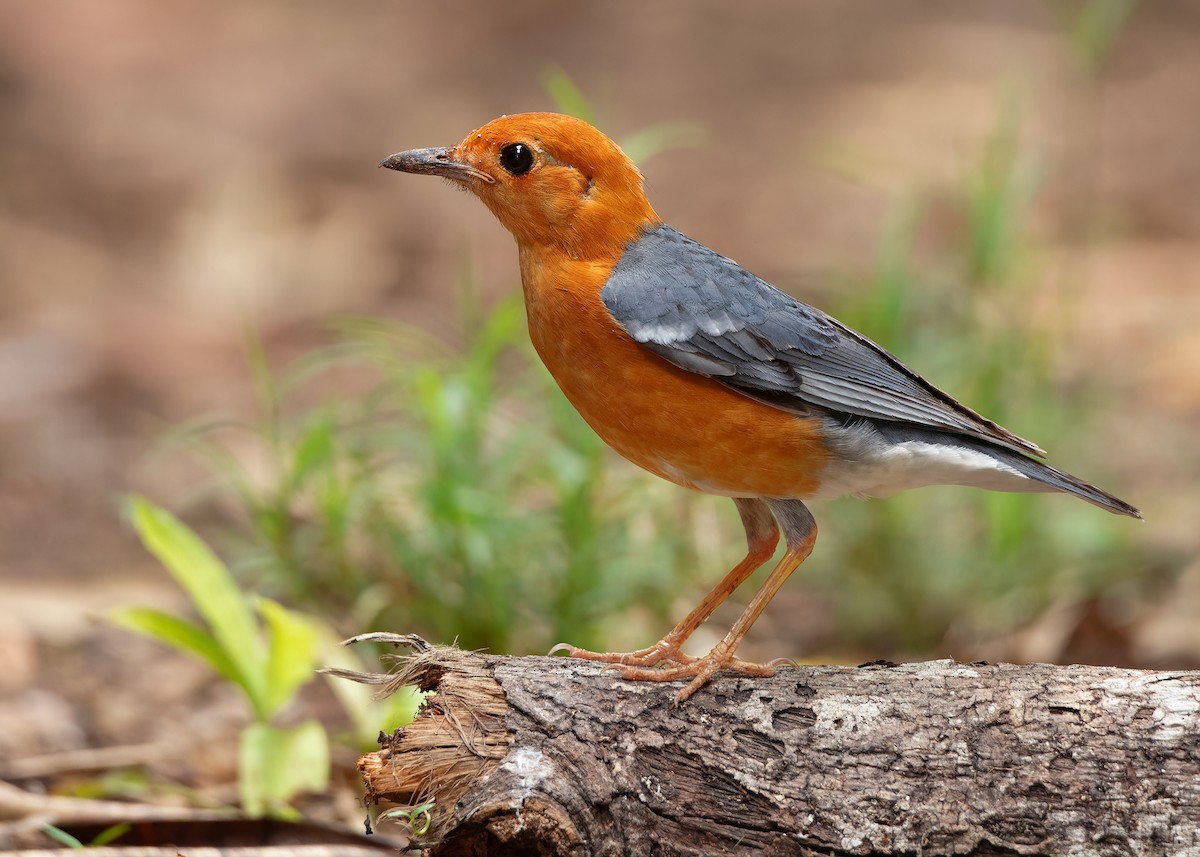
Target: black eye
(517, 158)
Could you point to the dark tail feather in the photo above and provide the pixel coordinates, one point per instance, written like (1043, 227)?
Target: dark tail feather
(1054, 480)
(1047, 475)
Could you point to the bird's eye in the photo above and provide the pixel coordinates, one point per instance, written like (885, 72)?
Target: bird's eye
(517, 158)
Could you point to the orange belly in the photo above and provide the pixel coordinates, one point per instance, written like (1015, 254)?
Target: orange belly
(681, 426)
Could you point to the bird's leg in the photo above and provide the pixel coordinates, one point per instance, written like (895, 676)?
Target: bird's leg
(800, 531)
(762, 535)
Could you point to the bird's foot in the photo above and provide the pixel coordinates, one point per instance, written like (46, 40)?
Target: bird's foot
(701, 670)
(665, 662)
(663, 652)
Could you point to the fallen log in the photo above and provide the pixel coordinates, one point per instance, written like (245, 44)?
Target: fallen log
(554, 756)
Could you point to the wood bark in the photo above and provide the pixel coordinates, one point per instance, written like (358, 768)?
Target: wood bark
(553, 756)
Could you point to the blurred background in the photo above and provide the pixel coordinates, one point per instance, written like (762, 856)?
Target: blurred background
(210, 295)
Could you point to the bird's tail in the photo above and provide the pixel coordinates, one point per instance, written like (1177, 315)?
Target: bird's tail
(1046, 477)
(1060, 481)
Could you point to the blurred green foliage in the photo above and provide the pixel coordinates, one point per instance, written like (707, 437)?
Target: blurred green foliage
(459, 496)
(1093, 27)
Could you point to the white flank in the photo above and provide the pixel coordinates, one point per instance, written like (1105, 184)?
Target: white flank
(915, 464)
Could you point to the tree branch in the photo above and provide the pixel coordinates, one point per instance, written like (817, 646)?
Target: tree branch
(555, 756)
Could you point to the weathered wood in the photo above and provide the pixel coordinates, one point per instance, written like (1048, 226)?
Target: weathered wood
(554, 756)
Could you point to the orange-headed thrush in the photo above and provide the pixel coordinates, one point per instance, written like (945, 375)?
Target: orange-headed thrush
(698, 371)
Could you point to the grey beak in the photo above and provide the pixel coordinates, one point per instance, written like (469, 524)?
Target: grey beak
(434, 162)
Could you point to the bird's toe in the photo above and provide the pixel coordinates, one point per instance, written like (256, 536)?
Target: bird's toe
(662, 652)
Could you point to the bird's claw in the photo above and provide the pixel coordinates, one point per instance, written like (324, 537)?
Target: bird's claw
(700, 671)
(665, 662)
(662, 652)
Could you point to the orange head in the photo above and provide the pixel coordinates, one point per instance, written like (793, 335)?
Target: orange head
(554, 181)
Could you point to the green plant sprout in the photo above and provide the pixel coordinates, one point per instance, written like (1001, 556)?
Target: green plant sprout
(268, 673)
(418, 818)
(264, 649)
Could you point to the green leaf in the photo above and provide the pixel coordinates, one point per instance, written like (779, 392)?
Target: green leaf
(211, 589)
(265, 388)
(277, 764)
(291, 653)
(179, 634)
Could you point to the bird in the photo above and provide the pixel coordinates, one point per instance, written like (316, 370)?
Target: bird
(699, 372)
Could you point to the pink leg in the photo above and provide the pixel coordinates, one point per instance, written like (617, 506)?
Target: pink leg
(800, 531)
(762, 535)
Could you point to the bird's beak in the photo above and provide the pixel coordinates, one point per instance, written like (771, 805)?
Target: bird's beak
(435, 162)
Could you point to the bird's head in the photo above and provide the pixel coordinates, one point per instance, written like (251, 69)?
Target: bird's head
(554, 181)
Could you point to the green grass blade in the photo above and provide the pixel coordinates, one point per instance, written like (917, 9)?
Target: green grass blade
(566, 95)
(1096, 28)
(110, 834)
(265, 389)
(61, 836)
(313, 451)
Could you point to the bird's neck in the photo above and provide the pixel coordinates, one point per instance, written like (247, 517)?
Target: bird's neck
(553, 279)
(565, 313)
(603, 234)
(589, 230)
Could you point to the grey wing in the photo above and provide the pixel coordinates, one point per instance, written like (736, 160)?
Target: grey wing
(706, 314)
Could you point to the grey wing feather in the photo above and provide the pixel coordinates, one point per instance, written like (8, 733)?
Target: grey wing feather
(706, 314)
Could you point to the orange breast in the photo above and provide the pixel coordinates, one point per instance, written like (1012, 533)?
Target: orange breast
(678, 425)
